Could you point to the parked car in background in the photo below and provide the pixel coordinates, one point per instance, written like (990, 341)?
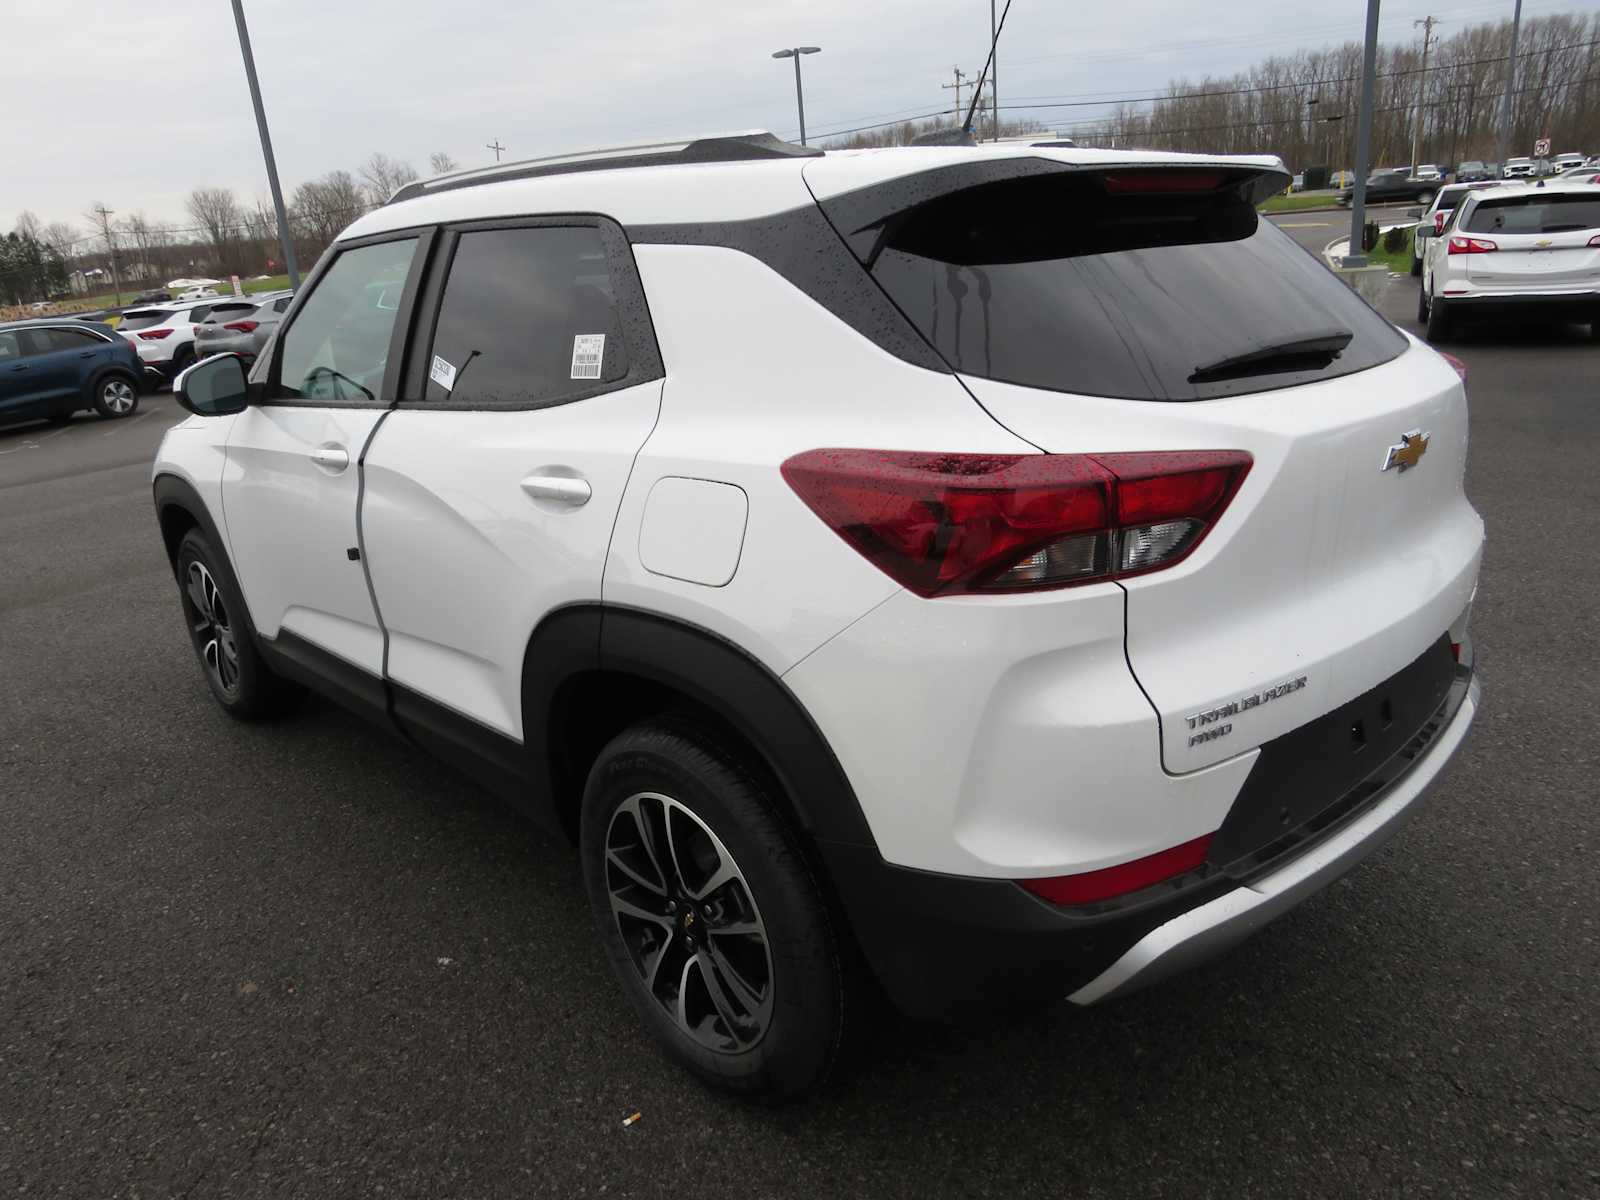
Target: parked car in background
(1392, 186)
(197, 293)
(164, 335)
(1586, 172)
(1562, 163)
(1473, 171)
(1516, 248)
(1520, 168)
(1297, 184)
(1432, 220)
(242, 333)
(151, 298)
(1429, 172)
(52, 368)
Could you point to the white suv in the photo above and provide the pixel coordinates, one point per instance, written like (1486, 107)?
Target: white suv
(1520, 248)
(989, 572)
(164, 334)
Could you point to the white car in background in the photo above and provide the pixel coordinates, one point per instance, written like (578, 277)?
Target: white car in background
(163, 334)
(1562, 163)
(1520, 168)
(1436, 216)
(1519, 247)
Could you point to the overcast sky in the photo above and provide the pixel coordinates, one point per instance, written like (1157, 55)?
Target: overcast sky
(134, 104)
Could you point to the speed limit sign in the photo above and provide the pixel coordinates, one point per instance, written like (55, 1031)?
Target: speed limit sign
(1541, 148)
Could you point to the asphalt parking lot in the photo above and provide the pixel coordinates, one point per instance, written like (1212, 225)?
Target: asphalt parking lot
(304, 960)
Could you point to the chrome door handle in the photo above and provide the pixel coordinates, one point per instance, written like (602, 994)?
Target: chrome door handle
(331, 458)
(560, 489)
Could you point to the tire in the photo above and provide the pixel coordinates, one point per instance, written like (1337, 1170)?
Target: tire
(1439, 323)
(741, 981)
(1416, 266)
(222, 638)
(1422, 304)
(115, 396)
(181, 361)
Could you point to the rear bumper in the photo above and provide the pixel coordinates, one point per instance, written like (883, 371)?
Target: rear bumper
(1221, 923)
(955, 948)
(1579, 299)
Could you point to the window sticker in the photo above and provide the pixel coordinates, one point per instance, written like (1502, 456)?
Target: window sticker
(588, 349)
(444, 374)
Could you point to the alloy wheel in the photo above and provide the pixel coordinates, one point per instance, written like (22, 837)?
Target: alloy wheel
(213, 630)
(119, 396)
(689, 922)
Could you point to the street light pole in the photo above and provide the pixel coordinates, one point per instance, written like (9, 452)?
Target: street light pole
(799, 92)
(285, 238)
(1511, 84)
(1357, 257)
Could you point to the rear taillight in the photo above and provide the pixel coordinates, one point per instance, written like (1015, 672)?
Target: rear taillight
(942, 524)
(1460, 367)
(242, 326)
(1092, 886)
(1595, 240)
(154, 335)
(1471, 245)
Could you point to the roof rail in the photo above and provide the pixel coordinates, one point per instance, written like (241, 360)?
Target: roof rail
(727, 147)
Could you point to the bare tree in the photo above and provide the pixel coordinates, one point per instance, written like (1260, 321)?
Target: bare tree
(441, 163)
(322, 207)
(30, 227)
(384, 176)
(62, 238)
(136, 236)
(217, 213)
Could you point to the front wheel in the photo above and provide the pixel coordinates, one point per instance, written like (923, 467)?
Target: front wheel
(115, 396)
(713, 922)
(241, 682)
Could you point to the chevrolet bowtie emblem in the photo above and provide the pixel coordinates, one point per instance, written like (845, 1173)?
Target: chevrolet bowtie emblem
(1407, 452)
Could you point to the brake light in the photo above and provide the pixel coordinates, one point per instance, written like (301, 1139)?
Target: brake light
(943, 524)
(154, 335)
(1130, 182)
(242, 326)
(1471, 245)
(1461, 367)
(1122, 878)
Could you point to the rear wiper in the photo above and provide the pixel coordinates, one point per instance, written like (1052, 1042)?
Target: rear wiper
(1309, 353)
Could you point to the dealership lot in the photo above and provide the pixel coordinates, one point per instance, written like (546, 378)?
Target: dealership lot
(302, 959)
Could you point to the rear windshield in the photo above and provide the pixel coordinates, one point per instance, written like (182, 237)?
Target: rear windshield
(144, 318)
(1536, 212)
(1054, 282)
(1470, 165)
(226, 312)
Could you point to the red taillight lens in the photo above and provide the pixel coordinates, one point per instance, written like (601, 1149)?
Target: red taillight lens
(1461, 367)
(941, 524)
(154, 335)
(1595, 240)
(1123, 878)
(242, 326)
(1471, 245)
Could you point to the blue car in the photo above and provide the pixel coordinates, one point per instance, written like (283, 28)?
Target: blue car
(49, 369)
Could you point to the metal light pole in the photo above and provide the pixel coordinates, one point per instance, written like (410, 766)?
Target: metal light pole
(1358, 198)
(1511, 85)
(284, 237)
(799, 93)
(994, 70)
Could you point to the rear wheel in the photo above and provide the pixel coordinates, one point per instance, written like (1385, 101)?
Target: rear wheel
(241, 682)
(710, 915)
(1416, 265)
(1439, 323)
(115, 396)
(1422, 304)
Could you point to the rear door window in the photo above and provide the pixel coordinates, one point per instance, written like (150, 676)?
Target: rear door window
(1535, 212)
(1105, 285)
(528, 318)
(72, 339)
(11, 345)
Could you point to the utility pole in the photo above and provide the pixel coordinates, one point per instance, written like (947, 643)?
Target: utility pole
(1357, 257)
(104, 213)
(1511, 86)
(496, 147)
(958, 84)
(994, 70)
(1422, 83)
(285, 235)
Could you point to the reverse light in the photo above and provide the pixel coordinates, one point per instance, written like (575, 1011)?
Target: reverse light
(242, 326)
(154, 335)
(1471, 245)
(1104, 884)
(945, 524)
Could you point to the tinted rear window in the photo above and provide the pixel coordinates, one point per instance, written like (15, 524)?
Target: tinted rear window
(144, 318)
(1053, 282)
(1536, 212)
(219, 313)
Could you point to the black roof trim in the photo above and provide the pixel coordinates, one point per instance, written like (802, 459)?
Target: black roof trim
(737, 147)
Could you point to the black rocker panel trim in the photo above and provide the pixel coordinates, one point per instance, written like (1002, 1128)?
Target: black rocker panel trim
(802, 246)
(340, 680)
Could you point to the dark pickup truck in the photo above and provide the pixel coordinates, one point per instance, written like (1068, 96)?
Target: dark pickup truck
(1395, 187)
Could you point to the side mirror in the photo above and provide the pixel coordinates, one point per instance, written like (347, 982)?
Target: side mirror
(213, 387)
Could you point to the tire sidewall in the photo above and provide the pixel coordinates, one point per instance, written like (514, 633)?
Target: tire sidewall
(803, 1036)
(98, 393)
(253, 681)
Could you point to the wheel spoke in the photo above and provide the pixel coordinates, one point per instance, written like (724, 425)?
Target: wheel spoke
(724, 873)
(736, 929)
(647, 839)
(622, 865)
(626, 908)
(728, 974)
(197, 591)
(719, 998)
(655, 963)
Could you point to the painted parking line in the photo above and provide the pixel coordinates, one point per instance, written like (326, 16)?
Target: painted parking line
(1304, 224)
